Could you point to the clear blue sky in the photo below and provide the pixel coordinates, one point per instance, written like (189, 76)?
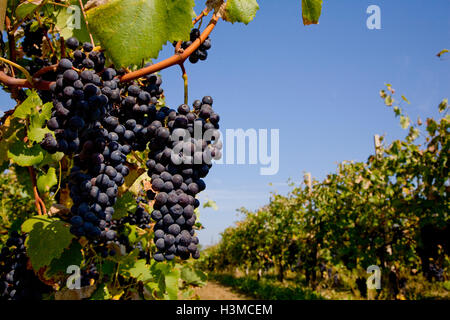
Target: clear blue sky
(318, 84)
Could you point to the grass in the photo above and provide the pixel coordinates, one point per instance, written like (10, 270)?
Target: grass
(265, 289)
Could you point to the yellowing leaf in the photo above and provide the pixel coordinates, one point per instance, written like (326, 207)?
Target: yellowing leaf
(311, 11)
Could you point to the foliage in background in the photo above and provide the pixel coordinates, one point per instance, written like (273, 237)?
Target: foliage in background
(391, 211)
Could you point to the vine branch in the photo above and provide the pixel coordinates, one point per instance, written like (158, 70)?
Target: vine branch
(177, 58)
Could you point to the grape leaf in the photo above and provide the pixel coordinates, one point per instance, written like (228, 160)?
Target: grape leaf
(138, 270)
(70, 22)
(311, 10)
(134, 179)
(443, 105)
(191, 276)
(26, 8)
(50, 159)
(102, 293)
(124, 204)
(404, 122)
(26, 108)
(24, 156)
(131, 232)
(9, 133)
(107, 267)
(132, 30)
(211, 204)
(47, 181)
(47, 239)
(37, 134)
(240, 11)
(171, 279)
(70, 256)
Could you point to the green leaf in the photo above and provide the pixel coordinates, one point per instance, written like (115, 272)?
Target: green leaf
(311, 11)
(71, 23)
(26, 108)
(389, 101)
(70, 256)
(133, 181)
(51, 159)
(240, 11)
(138, 270)
(107, 267)
(26, 8)
(171, 279)
(211, 204)
(102, 293)
(194, 277)
(24, 156)
(124, 204)
(10, 132)
(404, 122)
(47, 181)
(37, 134)
(406, 100)
(443, 105)
(132, 30)
(131, 232)
(47, 239)
(397, 111)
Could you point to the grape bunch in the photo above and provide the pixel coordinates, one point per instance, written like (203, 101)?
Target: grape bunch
(17, 282)
(137, 111)
(140, 217)
(82, 103)
(435, 272)
(202, 52)
(180, 156)
(98, 121)
(32, 41)
(89, 276)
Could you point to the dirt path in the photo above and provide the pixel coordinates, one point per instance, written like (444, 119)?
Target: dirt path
(215, 291)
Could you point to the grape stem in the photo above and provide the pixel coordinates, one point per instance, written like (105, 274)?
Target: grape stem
(46, 34)
(185, 78)
(59, 181)
(40, 206)
(85, 20)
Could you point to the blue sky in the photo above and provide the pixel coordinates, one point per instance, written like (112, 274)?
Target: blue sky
(319, 85)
